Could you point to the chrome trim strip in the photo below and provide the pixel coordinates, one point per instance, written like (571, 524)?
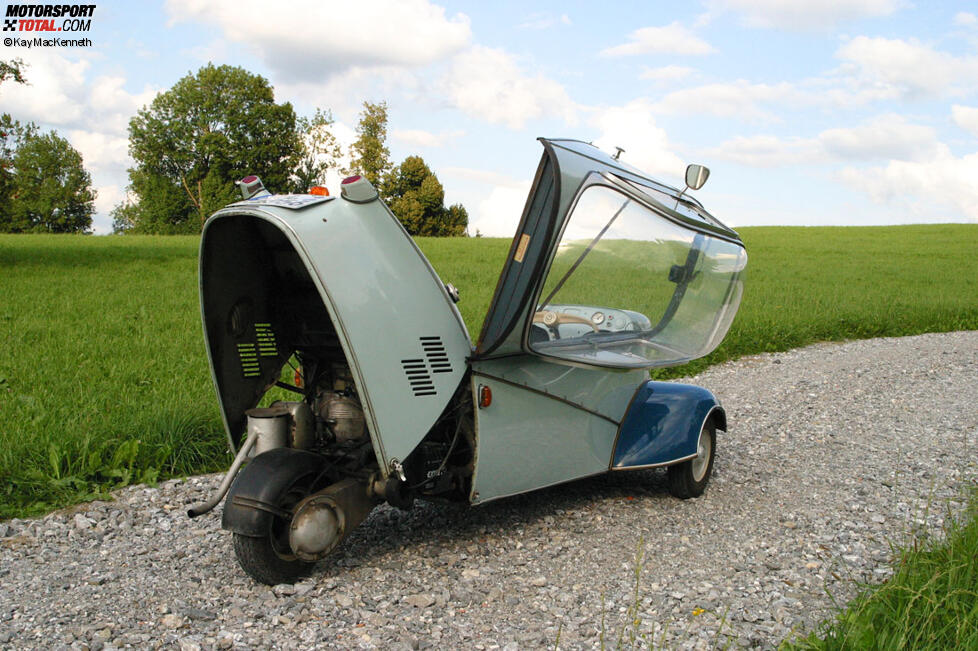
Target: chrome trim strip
(659, 465)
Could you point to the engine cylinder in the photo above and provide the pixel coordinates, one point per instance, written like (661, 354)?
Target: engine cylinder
(344, 415)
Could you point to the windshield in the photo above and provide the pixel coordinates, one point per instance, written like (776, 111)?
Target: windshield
(629, 288)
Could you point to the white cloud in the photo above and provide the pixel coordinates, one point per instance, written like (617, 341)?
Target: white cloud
(966, 117)
(805, 16)
(55, 93)
(768, 151)
(964, 19)
(646, 145)
(316, 38)
(108, 197)
(669, 39)
(928, 190)
(344, 92)
(488, 84)
(420, 138)
(102, 152)
(60, 93)
(666, 73)
(542, 20)
(908, 68)
(739, 98)
(478, 176)
(873, 70)
(498, 214)
(886, 137)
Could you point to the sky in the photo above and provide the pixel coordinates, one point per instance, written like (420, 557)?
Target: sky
(827, 112)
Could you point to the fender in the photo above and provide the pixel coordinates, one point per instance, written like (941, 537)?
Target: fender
(663, 423)
(253, 500)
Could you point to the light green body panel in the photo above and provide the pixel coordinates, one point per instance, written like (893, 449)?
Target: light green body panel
(547, 424)
(388, 305)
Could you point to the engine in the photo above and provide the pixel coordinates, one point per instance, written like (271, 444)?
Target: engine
(338, 408)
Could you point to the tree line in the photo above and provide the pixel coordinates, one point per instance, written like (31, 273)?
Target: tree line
(189, 146)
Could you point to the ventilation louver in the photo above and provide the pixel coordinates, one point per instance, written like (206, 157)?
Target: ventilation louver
(250, 352)
(434, 350)
(419, 369)
(418, 377)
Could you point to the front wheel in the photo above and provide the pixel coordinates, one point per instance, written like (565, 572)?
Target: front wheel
(689, 478)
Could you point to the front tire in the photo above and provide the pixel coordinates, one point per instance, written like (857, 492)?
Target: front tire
(689, 478)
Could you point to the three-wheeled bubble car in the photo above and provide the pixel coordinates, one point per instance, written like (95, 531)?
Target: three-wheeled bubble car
(610, 274)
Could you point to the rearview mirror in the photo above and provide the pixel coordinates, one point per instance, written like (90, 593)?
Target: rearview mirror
(696, 176)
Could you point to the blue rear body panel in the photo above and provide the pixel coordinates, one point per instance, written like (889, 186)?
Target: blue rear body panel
(663, 423)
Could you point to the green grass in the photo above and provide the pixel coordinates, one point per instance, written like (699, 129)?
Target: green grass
(104, 380)
(930, 602)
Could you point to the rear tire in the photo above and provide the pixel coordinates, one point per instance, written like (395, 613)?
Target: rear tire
(689, 478)
(258, 557)
(269, 559)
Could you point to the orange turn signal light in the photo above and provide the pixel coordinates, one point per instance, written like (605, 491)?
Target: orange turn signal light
(319, 190)
(297, 378)
(485, 396)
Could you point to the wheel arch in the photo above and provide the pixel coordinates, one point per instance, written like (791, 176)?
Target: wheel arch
(663, 425)
(252, 501)
(718, 416)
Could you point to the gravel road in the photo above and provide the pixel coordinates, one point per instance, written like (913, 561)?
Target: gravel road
(833, 452)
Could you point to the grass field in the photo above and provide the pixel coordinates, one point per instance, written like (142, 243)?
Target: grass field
(104, 381)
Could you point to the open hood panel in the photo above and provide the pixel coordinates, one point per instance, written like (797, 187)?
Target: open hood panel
(342, 282)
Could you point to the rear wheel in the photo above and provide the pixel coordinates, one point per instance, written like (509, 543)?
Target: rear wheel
(269, 559)
(689, 478)
(265, 564)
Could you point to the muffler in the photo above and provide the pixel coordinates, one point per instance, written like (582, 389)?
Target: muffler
(322, 520)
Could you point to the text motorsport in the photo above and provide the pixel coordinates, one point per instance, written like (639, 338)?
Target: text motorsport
(47, 18)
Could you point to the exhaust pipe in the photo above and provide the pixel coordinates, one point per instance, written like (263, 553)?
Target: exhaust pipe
(206, 507)
(267, 430)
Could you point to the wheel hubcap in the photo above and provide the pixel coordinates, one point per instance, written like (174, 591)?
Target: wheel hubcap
(702, 459)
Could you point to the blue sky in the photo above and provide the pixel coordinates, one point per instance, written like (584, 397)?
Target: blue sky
(829, 112)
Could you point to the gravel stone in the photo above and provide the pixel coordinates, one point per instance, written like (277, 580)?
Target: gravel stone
(833, 452)
(420, 600)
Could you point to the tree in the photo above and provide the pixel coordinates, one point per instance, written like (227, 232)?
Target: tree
(411, 189)
(44, 187)
(13, 69)
(12, 133)
(319, 150)
(369, 155)
(12, 136)
(51, 192)
(194, 140)
(417, 198)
